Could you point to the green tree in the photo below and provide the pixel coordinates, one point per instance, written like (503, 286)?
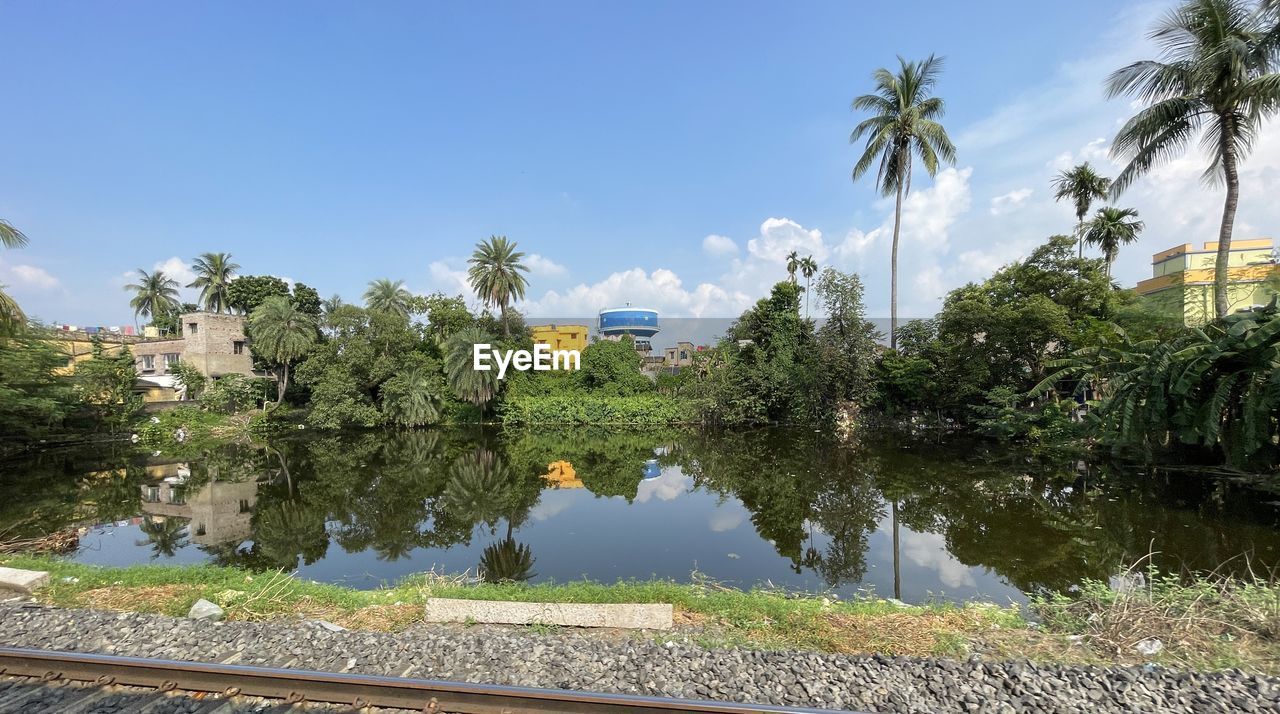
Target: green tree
(281, 334)
(446, 315)
(11, 316)
(34, 400)
(154, 293)
(412, 396)
(306, 299)
(497, 275)
(613, 367)
(507, 561)
(904, 124)
(1080, 185)
(847, 340)
(214, 273)
(104, 386)
(1111, 228)
(469, 384)
(808, 267)
(793, 264)
(1217, 79)
(385, 295)
(168, 317)
(246, 292)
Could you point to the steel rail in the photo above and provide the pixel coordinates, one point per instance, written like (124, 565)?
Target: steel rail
(357, 690)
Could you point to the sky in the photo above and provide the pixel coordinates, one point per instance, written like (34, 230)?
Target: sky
(664, 154)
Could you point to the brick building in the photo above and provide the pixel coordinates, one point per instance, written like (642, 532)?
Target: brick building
(213, 343)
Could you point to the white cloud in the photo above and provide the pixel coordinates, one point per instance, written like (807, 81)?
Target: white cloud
(28, 276)
(727, 517)
(719, 246)
(1007, 202)
(450, 281)
(672, 484)
(175, 268)
(660, 290)
(780, 236)
(929, 550)
(542, 267)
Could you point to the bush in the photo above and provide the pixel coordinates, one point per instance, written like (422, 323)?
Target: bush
(232, 393)
(647, 409)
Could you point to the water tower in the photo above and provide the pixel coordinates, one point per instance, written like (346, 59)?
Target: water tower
(641, 323)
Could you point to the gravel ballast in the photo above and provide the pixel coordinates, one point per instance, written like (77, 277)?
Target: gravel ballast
(585, 661)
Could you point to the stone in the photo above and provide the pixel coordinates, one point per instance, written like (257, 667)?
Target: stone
(500, 612)
(24, 581)
(205, 610)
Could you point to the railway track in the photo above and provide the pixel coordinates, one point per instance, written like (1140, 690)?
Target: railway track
(79, 683)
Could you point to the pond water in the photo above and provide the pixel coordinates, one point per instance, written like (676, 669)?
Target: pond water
(772, 506)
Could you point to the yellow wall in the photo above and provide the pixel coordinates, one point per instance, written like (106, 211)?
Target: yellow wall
(79, 350)
(1182, 279)
(561, 337)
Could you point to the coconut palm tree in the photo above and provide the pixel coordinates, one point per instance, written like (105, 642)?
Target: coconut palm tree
(808, 266)
(793, 264)
(497, 275)
(1217, 80)
(1082, 186)
(903, 125)
(281, 333)
(391, 297)
(479, 488)
(214, 273)
(410, 398)
(1111, 228)
(165, 535)
(11, 315)
(11, 237)
(154, 293)
(468, 383)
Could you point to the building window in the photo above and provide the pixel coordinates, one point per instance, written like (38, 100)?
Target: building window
(237, 347)
(192, 328)
(171, 359)
(148, 362)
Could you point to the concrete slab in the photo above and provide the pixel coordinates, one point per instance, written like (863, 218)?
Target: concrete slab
(24, 581)
(502, 612)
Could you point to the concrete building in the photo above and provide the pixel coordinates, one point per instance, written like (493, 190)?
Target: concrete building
(561, 337)
(1182, 278)
(679, 356)
(218, 512)
(213, 343)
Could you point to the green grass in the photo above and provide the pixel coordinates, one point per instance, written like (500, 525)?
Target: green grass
(712, 614)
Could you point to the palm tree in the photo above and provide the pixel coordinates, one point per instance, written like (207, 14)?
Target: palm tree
(793, 263)
(153, 293)
(11, 316)
(281, 333)
(507, 561)
(11, 237)
(166, 535)
(1216, 79)
(497, 275)
(391, 297)
(468, 383)
(1082, 186)
(410, 399)
(214, 273)
(479, 488)
(904, 124)
(1111, 228)
(808, 266)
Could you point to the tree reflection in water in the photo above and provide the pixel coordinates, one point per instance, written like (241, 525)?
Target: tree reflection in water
(1036, 524)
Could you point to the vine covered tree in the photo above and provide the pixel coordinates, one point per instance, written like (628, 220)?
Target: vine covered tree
(497, 275)
(1216, 80)
(903, 125)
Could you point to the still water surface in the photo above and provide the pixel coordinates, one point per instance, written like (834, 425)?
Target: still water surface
(777, 506)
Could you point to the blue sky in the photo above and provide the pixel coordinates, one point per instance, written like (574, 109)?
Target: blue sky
(657, 153)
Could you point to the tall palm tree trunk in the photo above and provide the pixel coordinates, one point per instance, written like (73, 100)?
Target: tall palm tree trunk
(1228, 144)
(897, 572)
(1080, 237)
(893, 272)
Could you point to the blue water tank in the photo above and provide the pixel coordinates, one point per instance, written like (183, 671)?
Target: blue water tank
(638, 322)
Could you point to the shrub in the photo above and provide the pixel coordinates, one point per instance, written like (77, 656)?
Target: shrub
(232, 393)
(645, 409)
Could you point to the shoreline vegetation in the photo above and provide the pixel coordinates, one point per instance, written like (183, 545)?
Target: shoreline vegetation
(1206, 624)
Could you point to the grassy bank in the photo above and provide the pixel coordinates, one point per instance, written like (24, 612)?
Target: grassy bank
(1206, 625)
(712, 614)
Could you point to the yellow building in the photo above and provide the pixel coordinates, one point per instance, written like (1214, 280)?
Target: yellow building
(561, 337)
(1182, 278)
(561, 474)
